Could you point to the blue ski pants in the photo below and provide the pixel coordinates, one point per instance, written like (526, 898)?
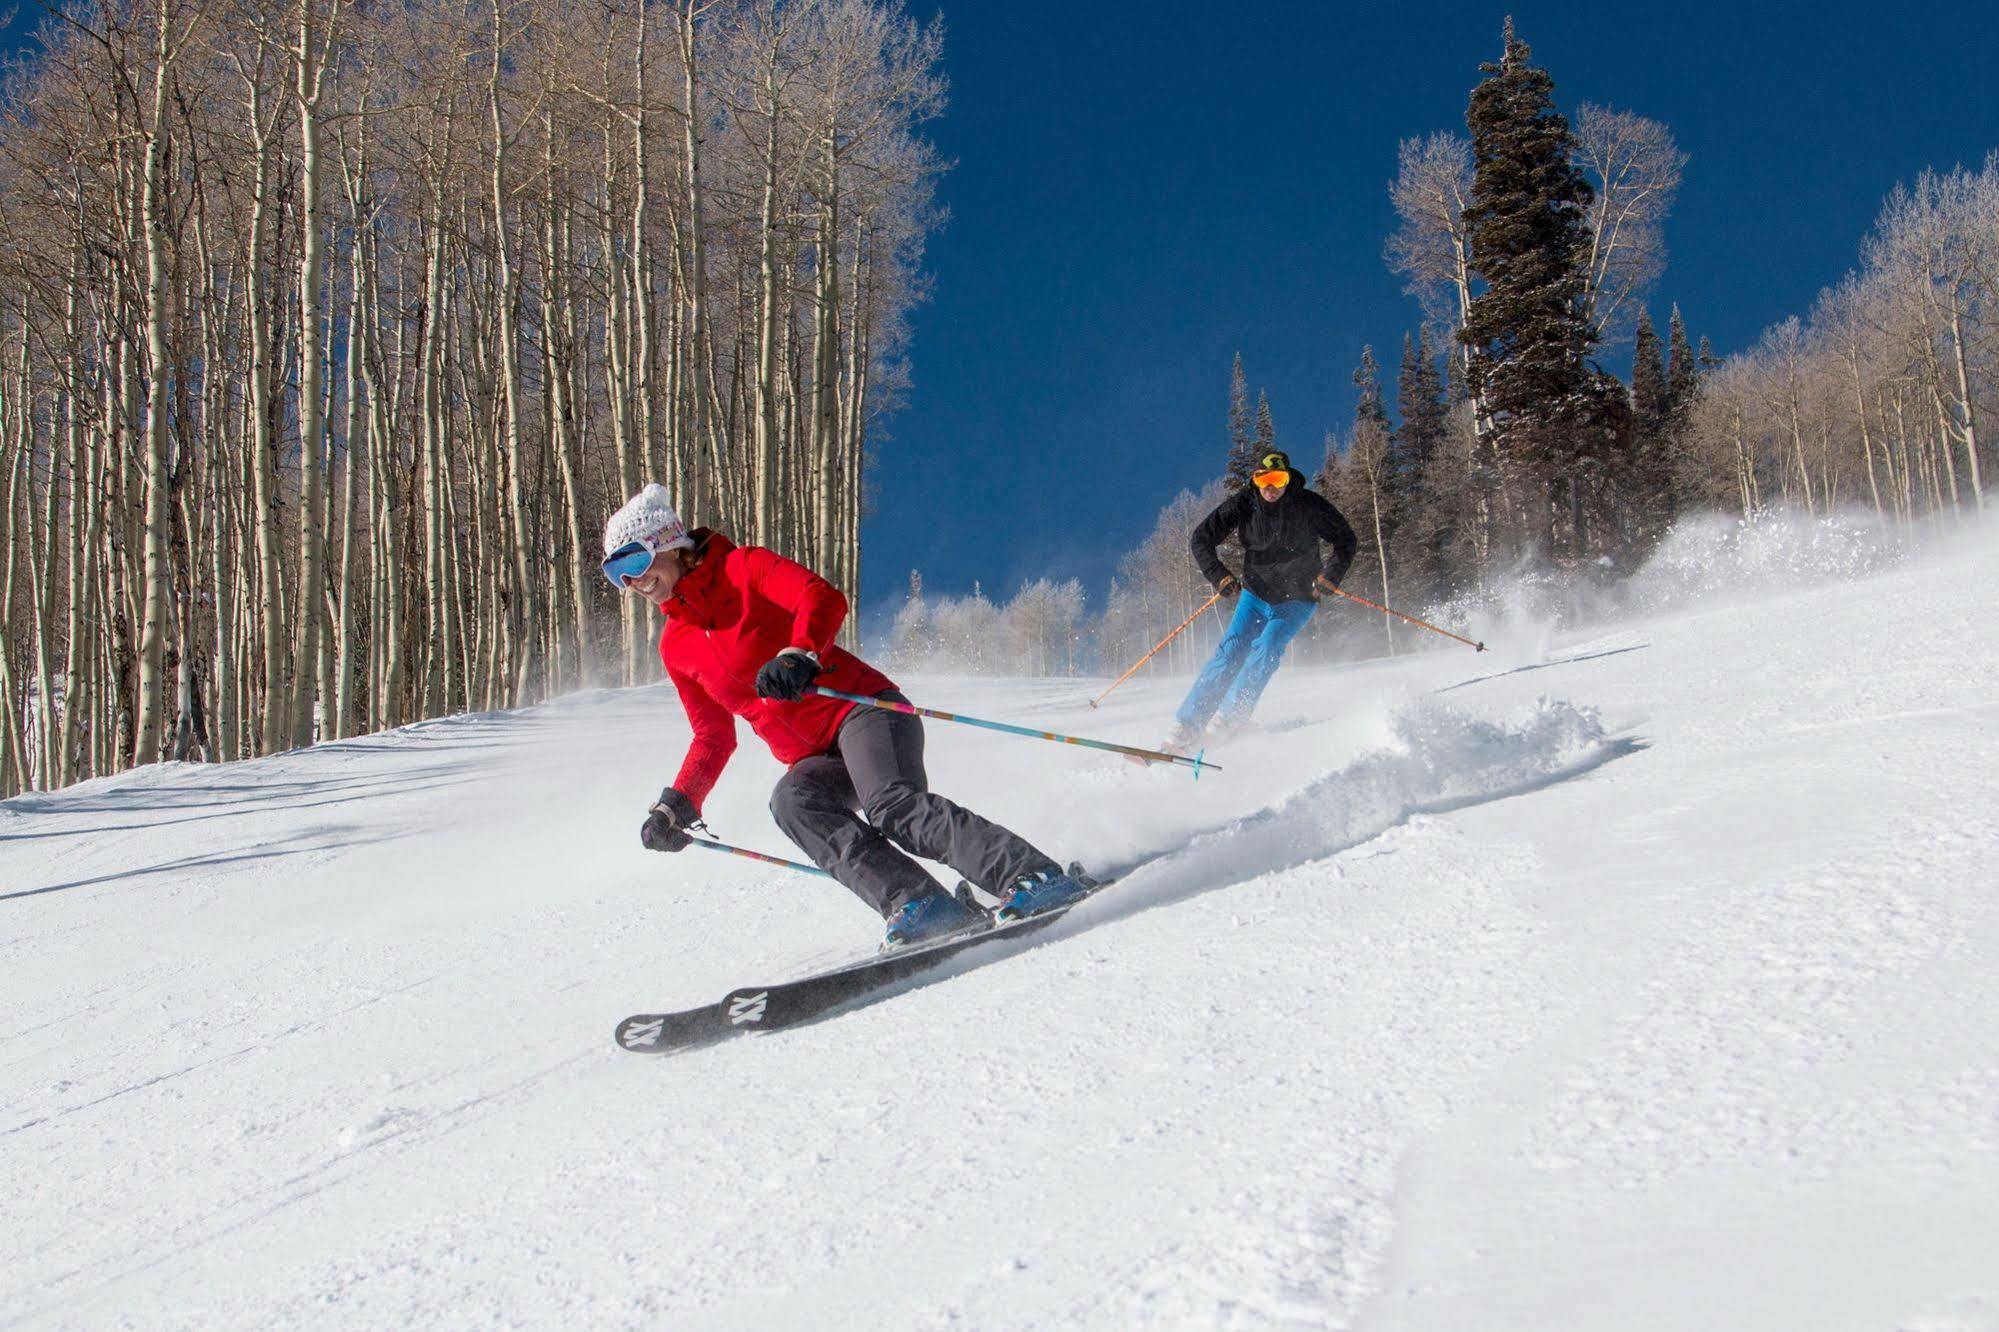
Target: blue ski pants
(1244, 660)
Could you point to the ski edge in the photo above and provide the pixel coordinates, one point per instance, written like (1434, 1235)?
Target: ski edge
(747, 1009)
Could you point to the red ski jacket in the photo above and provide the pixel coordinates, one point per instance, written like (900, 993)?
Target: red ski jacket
(731, 613)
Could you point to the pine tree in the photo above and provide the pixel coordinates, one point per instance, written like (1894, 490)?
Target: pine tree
(1242, 430)
(1643, 501)
(1419, 400)
(1329, 468)
(1529, 338)
(1651, 397)
(1681, 374)
(1266, 429)
(1373, 436)
(1422, 401)
(1368, 467)
(1367, 378)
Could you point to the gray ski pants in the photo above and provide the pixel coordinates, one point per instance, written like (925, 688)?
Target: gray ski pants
(876, 767)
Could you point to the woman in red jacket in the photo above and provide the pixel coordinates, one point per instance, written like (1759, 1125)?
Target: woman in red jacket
(747, 634)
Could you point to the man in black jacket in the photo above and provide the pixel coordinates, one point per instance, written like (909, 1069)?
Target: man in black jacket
(1280, 524)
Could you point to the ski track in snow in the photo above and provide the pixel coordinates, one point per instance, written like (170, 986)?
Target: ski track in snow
(1641, 976)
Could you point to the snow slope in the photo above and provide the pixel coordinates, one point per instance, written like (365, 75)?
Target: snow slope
(1642, 977)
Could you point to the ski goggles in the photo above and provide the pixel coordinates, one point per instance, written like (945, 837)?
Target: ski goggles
(1279, 479)
(630, 561)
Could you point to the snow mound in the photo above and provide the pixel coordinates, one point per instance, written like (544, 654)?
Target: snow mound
(1711, 555)
(1440, 758)
(1704, 559)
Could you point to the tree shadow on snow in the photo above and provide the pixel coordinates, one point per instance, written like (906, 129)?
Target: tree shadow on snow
(237, 799)
(324, 838)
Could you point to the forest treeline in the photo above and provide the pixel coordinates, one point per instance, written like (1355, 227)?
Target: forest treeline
(330, 331)
(1533, 244)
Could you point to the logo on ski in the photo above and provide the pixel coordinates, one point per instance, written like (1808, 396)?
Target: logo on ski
(750, 1008)
(645, 1033)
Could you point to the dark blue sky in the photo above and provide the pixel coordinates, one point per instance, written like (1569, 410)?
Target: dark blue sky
(1145, 187)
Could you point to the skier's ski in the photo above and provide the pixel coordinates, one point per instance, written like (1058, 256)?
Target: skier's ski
(789, 1003)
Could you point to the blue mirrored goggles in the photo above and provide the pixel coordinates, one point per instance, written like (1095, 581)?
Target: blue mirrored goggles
(629, 561)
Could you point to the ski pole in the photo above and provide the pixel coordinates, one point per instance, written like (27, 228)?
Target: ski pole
(1155, 649)
(748, 854)
(887, 705)
(1421, 624)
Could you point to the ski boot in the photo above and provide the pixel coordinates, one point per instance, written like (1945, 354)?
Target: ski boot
(931, 916)
(1178, 742)
(1047, 891)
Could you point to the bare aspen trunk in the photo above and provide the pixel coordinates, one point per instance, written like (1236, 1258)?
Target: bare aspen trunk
(1945, 433)
(341, 723)
(1745, 471)
(853, 456)
(1907, 466)
(68, 760)
(13, 747)
(703, 408)
(1798, 448)
(191, 739)
(308, 56)
(1866, 436)
(42, 539)
(439, 671)
(764, 461)
(522, 616)
(388, 622)
(558, 350)
(1381, 553)
(618, 301)
(274, 726)
(637, 261)
(1967, 407)
(152, 634)
(825, 445)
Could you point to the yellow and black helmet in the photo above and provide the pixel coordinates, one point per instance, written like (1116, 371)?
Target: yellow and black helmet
(1272, 469)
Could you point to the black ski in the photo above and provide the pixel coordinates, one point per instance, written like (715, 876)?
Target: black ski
(789, 1003)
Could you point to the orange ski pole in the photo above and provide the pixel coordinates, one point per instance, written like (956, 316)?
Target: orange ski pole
(1155, 649)
(1325, 586)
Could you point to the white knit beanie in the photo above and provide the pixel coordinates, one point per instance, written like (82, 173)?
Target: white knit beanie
(647, 515)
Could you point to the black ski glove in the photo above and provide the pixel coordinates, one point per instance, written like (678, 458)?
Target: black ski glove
(665, 828)
(785, 676)
(1227, 586)
(1323, 587)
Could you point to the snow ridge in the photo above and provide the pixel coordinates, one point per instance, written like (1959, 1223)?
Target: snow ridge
(1441, 758)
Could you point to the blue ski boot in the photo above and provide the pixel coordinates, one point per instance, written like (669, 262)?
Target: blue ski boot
(930, 916)
(1046, 891)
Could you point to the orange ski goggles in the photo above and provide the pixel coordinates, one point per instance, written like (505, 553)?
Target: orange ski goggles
(1279, 479)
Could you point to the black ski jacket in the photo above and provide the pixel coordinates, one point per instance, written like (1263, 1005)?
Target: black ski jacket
(1280, 541)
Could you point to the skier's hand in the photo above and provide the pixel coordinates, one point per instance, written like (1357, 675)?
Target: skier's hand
(1323, 587)
(665, 828)
(785, 676)
(1227, 586)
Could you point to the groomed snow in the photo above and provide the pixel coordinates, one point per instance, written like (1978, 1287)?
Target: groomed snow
(1644, 976)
